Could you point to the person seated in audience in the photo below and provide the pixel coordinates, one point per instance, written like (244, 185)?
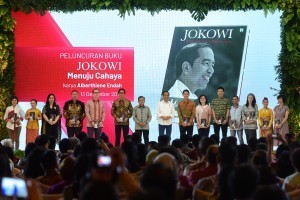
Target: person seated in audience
(130, 150)
(178, 145)
(292, 182)
(74, 142)
(160, 179)
(163, 141)
(186, 140)
(211, 165)
(193, 154)
(29, 147)
(64, 146)
(81, 135)
(5, 169)
(42, 140)
(243, 182)
(50, 167)
(270, 192)
(33, 168)
(97, 189)
(67, 168)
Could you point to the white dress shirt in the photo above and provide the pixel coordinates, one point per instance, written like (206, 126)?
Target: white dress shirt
(165, 109)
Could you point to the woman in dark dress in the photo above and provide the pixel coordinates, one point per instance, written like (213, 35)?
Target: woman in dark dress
(51, 118)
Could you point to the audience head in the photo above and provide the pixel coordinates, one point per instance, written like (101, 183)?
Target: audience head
(7, 143)
(242, 153)
(259, 158)
(204, 144)
(81, 135)
(89, 145)
(42, 140)
(211, 154)
(243, 181)
(49, 160)
(295, 157)
(67, 169)
(159, 178)
(29, 147)
(136, 138)
(163, 140)
(270, 192)
(93, 190)
(64, 145)
(33, 168)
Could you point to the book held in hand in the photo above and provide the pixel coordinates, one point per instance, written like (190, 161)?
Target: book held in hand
(265, 123)
(277, 121)
(52, 117)
(32, 116)
(219, 120)
(203, 123)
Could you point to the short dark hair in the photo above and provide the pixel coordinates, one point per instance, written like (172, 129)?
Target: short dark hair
(77, 91)
(236, 97)
(186, 90)
(206, 100)
(163, 92)
(141, 97)
(281, 97)
(121, 89)
(34, 100)
(16, 98)
(220, 88)
(188, 54)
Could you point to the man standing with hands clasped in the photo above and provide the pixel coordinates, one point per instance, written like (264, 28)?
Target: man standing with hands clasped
(186, 114)
(220, 111)
(95, 114)
(142, 116)
(74, 114)
(121, 110)
(165, 114)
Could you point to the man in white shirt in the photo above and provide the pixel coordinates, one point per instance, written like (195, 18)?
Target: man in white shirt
(165, 114)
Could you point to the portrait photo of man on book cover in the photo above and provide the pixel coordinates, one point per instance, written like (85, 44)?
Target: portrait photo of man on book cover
(203, 58)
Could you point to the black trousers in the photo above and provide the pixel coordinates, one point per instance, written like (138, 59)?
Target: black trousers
(186, 130)
(145, 135)
(118, 129)
(97, 131)
(73, 131)
(217, 128)
(203, 132)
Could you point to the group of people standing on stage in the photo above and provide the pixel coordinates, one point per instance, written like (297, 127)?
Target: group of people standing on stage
(272, 123)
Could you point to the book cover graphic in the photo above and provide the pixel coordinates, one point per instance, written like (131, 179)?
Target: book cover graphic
(52, 117)
(203, 122)
(265, 123)
(32, 115)
(186, 70)
(277, 121)
(233, 124)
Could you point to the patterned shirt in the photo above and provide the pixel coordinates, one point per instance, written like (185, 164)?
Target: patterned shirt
(250, 113)
(220, 106)
(235, 115)
(141, 114)
(186, 111)
(95, 112)
(74, 111)
(122, 109)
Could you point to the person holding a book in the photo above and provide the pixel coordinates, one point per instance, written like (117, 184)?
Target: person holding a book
(235, 119)
(265, 119)
(33, 115)
(95, 114)
(13, 117)
(203, 116)
(74, 114)
(186, 114)
(249, 115)
(51, 124)
(220, 113)
(281, 114)
(121, 110)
